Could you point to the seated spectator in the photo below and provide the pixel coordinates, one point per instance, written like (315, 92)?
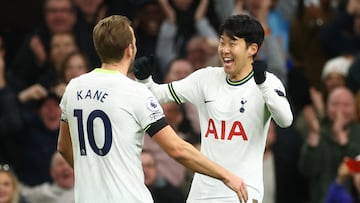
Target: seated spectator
(41, 129)
(10, 117)
(323, 152)
(161, 190)
(339, 190)
(60, 190)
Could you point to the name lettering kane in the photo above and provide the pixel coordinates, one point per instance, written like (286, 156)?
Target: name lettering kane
(90, 94)
(236, 130)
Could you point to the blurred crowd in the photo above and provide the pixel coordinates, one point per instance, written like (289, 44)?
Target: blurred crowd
(313, 46)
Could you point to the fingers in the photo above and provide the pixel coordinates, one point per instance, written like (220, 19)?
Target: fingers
(243, 194)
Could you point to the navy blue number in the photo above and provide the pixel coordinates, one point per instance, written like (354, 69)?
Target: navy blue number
(90, 132)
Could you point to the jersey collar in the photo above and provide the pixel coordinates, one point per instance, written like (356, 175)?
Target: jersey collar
(240, 82)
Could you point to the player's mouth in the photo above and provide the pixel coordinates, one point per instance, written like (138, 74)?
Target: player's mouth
(228, 62)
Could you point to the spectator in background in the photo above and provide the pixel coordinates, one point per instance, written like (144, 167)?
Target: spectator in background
(346, 187)
(59, 190)
(333, 75)
(59, 16)
(353, 77)
(9, 186)
(357, 100)
(269, 166)
(147, 23)
(61, 45)
(272, 50)
(161, 190)
(89, 12)
(202, 51)
(75, 64)
(168, 168)
(184, 19)
(178, 69)
(304, 39)
(323, 152)
(343, 31)
(40, 132)
(10, 117)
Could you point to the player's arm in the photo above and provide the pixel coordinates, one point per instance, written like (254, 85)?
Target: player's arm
(190, 157)
(64, 143)
(274, 95)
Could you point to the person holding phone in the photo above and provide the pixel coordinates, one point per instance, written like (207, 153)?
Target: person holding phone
(340, 190)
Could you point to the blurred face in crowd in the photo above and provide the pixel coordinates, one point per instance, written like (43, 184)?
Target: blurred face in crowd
(173, 114)
(149, 18)
(59, 15)
(50, 113)
(7, 187)
(179, 69)
(334, 80)
(61, 172)
(89, 7)
(149, 167)
(183, 5)
(196, 53)
(61, 45)
(256, 7)
(341, 102)
(75, 66)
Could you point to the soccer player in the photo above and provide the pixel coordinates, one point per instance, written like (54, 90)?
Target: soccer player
(235, 104)
(104, 117)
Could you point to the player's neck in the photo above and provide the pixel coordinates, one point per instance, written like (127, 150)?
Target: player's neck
(122, 67)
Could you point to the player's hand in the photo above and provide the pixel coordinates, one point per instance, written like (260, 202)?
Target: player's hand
(238, 185)
(143, 67)
(259, 68)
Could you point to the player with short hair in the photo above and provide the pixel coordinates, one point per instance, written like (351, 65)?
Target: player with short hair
(104, 117)
(235, 104)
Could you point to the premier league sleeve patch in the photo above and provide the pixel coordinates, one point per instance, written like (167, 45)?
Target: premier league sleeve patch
(152, 104)
(280, 93)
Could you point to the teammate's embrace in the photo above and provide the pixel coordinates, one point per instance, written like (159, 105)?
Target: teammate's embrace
(235, 104)
(104, 117)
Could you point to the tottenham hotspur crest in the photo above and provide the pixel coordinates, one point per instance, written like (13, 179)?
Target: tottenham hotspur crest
(242, 108)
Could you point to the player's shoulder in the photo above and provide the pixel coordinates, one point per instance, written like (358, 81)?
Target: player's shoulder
(272, 77)
(209, 71)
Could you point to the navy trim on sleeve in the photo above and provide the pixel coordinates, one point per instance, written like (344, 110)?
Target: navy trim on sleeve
(155, 127)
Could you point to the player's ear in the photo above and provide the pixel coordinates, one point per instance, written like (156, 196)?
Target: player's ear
(129, 51)
(252, 49)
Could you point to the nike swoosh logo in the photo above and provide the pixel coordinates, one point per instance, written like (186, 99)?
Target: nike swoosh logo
(207, 101)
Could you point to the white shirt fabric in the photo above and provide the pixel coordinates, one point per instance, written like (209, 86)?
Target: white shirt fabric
(234, 120)
(47, 193)
(111, 111)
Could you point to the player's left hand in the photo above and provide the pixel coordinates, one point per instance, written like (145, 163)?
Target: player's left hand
(143, 67)
(259, 68)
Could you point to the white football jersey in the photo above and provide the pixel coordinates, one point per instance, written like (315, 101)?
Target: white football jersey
(234, 119)
(107, 113)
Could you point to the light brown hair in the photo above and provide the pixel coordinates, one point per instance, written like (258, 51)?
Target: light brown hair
(112, 35)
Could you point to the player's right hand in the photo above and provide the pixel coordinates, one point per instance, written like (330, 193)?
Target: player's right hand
(238, 185)
(143, 67)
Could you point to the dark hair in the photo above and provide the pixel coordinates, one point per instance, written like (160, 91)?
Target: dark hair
(243, 26)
